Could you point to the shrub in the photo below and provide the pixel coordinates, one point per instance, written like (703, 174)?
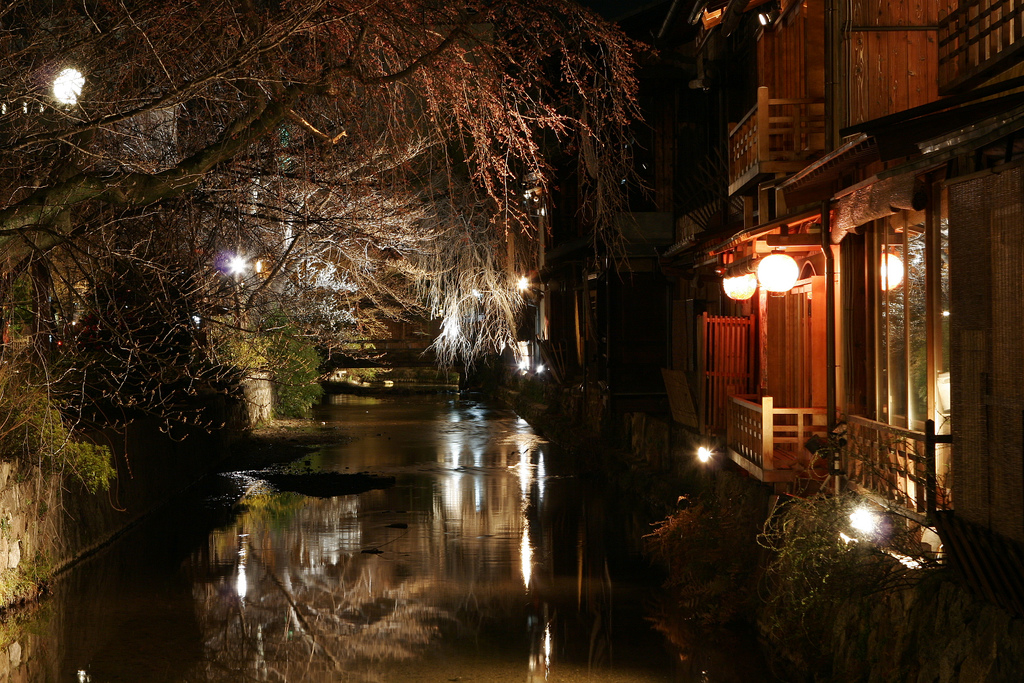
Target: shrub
(33, 429)
(709, 548)
(295, 364)
(814, 571)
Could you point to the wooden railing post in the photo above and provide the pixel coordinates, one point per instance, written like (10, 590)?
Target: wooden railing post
(767, 434)
(763, 125)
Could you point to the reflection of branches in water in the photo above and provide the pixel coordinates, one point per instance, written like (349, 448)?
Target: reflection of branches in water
(316, 622)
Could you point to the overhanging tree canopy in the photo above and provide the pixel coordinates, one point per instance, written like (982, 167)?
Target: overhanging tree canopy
(372, 156)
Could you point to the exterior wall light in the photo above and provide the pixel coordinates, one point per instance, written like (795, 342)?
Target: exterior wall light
(777, 272)
(892, 271)
(741, 287)
(704, 454)
(864, 520)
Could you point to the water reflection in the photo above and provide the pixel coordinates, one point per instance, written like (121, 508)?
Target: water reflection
(484, 562)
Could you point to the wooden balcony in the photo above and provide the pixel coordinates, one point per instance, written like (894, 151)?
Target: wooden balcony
(976, 40)
(775, 137)
(892, 463)
(769, 442)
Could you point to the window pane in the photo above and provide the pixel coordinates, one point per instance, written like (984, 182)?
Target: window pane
(917, 323)
(894, 312)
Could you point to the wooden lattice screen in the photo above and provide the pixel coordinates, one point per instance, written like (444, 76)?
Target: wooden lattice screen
(727, 357)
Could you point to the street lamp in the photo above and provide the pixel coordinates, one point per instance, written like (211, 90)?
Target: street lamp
(237, 265)
(67, 86)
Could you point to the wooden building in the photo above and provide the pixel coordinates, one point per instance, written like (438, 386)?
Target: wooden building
(879, 146)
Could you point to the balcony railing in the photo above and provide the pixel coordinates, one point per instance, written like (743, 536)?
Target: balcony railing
(776, 136)
(769, 442)
(892, 462)
(975, 38)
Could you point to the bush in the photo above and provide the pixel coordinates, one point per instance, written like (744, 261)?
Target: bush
(709, 548)
(295, 365)
(290, 358)
(32, 429)
(814, 571)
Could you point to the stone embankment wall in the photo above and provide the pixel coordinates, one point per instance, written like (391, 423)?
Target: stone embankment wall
(47, 521)
(935, 632)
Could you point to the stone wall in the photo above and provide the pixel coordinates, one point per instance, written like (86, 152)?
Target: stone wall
(49, 520)
(936, 632)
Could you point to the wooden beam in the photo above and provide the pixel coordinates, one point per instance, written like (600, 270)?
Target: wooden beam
(811, 239)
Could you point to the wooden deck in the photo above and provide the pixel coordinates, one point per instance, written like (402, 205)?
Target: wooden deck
(769, 442)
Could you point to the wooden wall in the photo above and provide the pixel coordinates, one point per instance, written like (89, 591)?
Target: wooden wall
(791, 57)
(892, 55)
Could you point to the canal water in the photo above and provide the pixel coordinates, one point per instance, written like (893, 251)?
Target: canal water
(488, 560)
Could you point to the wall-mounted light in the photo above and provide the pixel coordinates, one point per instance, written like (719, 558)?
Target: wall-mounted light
(741, 287)
(777, 272)
(767, 14)
(892, 271)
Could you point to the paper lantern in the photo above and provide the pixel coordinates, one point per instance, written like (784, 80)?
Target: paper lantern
(891, 271)
(777, 272)
(741, 287)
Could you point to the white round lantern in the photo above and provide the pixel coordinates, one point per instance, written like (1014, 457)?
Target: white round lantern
(891, 271)
(777, 272)
(741, 287)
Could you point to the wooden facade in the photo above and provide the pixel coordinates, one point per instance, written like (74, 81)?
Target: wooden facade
(892, 48)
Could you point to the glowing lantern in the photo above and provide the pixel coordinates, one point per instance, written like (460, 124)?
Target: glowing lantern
(741, 287)
(777, 272)
(891, 271)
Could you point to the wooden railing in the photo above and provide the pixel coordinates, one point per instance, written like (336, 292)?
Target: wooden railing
(975, 38)
(769, 442)
(776, 136)
(892, 462)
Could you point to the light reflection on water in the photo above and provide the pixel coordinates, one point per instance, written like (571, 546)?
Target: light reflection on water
(484, 562)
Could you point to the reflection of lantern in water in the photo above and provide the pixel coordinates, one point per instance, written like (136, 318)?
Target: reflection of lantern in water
(892, 271)
(741, 287)
(777, 272)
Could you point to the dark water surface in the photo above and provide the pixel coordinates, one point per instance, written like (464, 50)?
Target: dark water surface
(487, 561)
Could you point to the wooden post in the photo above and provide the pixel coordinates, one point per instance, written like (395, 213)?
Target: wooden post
(767, 433)
(763, 125)
(702, 366)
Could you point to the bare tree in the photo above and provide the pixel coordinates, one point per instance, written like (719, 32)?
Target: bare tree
(336, 160)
